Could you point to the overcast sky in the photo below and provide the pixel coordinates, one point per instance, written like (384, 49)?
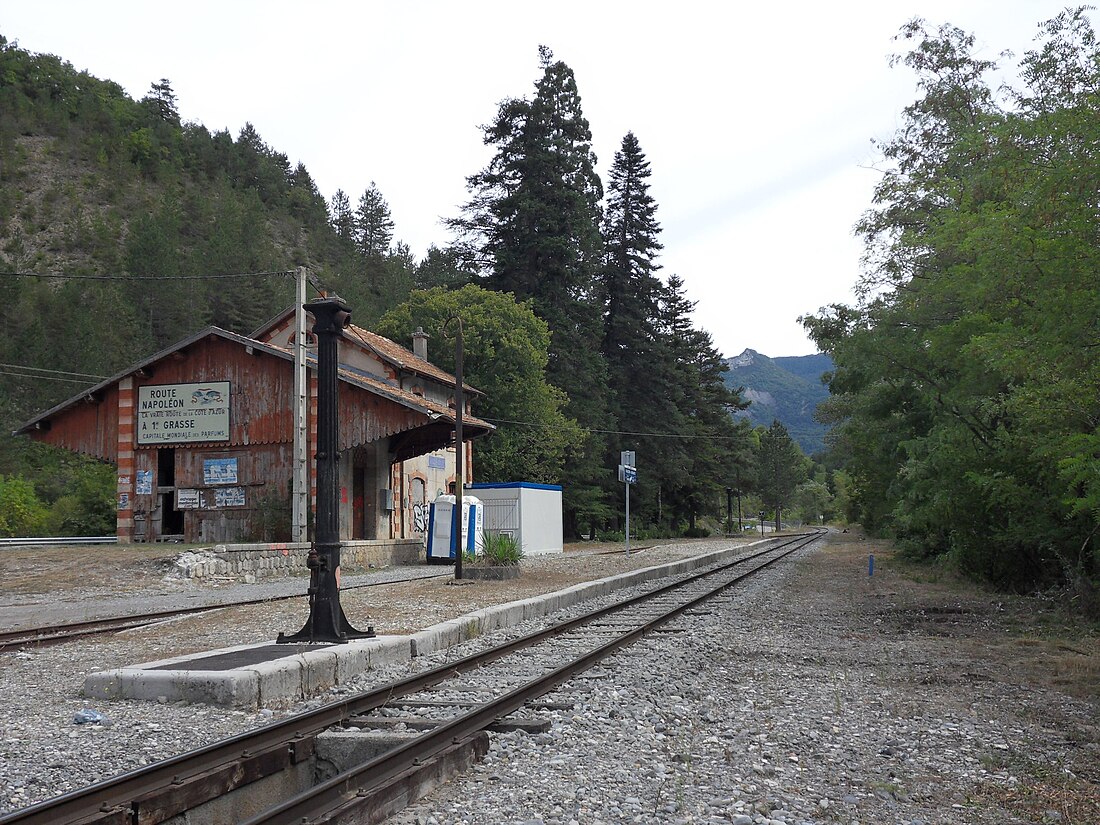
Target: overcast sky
(757, 119)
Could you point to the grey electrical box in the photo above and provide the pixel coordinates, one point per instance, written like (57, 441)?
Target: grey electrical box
(385, 500)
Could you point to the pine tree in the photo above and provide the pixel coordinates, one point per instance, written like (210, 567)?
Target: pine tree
(688, 374)
(441, 267)
(639, 393)
(304, 199)
(343, 219)
(373, 223)
(630, 233)
(532, 229)
(780, 468)
(161, 101)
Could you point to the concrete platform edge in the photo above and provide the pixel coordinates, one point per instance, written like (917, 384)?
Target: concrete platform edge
(302, 675)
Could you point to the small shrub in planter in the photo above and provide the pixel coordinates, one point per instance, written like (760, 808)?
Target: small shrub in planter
(499, 559)
(500, 550)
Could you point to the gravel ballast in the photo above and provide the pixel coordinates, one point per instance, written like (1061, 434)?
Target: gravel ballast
(815, 694)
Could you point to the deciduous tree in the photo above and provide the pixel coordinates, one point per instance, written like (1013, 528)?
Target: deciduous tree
(967, 389)
(505, 356)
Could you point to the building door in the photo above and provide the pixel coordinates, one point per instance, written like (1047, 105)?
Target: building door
(171, 519)
(418, 506)
(358, 511)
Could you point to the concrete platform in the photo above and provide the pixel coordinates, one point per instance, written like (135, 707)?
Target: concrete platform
(256, 675)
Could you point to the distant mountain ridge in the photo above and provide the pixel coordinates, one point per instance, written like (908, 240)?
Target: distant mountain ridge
(787, 388)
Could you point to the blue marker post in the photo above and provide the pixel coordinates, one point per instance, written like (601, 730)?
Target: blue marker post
(871, 564)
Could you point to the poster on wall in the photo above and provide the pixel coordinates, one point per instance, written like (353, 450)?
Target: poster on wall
(229, 497)
(144, 483)
(188, 499)
(181, 413)
(219, 471)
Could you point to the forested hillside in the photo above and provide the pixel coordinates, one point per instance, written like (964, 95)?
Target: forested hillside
(124, 228)
(787, 389)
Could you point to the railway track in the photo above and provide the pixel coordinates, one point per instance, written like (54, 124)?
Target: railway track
(503, 679)
(56, 634)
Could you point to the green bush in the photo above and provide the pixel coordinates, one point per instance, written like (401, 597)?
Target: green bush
(88, 509)
(21, 511)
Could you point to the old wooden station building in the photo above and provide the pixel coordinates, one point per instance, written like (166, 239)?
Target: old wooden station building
(202, 435)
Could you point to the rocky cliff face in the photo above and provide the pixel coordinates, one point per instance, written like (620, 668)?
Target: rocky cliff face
(788, 389)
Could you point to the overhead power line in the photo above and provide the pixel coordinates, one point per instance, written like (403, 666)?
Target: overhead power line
(37, 377)
(617, 432)
(55, 372)
(207, 277)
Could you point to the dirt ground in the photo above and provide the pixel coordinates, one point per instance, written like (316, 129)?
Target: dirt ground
(972, 642)
(36, 571)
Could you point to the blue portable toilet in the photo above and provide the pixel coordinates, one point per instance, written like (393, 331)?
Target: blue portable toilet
(441, 540)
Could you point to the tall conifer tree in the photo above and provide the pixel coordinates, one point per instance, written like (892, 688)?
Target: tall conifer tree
(781, 467)
(638, 374)
(373, 223)
(690, 370)
(630, 232)
(532, 227)
(343, 219)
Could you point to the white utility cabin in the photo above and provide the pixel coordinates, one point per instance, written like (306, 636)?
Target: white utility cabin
(531, 513)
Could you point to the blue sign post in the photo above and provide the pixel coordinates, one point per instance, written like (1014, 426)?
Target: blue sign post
(628, 474)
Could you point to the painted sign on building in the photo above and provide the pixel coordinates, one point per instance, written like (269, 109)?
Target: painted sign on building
(181, 413)
(188, 499)
(144, 483)
(219, 471)
(229, 497)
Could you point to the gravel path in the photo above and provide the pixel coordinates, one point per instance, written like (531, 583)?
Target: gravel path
(814, 695)
(172, 593)
(43, 753)
(798, 700)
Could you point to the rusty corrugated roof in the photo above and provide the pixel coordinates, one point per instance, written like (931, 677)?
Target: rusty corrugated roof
(364, 380)
(383, 347)
(380, 387)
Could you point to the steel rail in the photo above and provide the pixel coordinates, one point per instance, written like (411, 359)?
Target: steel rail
(348, 789)
(122, 790)
(59, 633)
(57, 541)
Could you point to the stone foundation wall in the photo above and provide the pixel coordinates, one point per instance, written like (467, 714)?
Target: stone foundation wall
(257, 561)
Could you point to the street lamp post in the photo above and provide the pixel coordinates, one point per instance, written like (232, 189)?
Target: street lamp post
(327, 622)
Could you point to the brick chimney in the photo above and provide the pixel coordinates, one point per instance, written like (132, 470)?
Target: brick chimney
(420, 343)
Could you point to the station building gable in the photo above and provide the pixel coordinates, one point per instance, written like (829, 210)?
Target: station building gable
(202, 436)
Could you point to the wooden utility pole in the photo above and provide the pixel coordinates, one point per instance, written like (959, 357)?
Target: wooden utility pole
(299, 494)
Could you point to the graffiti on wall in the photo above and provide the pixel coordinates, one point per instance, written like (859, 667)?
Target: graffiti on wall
(420, 517)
